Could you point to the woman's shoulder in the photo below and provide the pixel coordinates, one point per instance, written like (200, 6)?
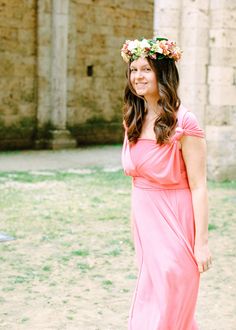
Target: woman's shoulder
(188, 121)
(185, 116)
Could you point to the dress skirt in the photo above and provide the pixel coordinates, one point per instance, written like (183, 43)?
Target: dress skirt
(168, 281)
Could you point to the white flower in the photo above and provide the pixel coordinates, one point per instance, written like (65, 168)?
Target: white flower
(144, 44)
(157, 48)
(133, 45)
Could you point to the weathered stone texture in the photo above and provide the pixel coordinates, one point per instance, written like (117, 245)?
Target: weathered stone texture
(220, 110)
(61, 79)
(222, 150)
(17, 72)
(94, 44)
(206, 31)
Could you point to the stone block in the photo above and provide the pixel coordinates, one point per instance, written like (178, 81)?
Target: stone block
(193, 17)
(223, 18)
(221, 134)
(8, 33)
(194, 37)
(60, 6)
(218, 115)
(43, 67)
(7, 67)
(195, 55)
(27, 110)
(44, 51)
(222, 4)
(44, 6)
(222, 56)
(222, 95)
(9, 46)
(27, 36)
(140, 6)
(167, 18)
(199, 4)
(221, 152)
(29, 3)
(60, 139)
(222, 38)
(43, 114)
(98, 133)
(169, 4)
(232, 115)
(29, 19)
(220, 75)
(193, 73)
(25, 67)
(193, 93)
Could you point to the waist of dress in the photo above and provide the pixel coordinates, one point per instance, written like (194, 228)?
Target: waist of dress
(142, 183)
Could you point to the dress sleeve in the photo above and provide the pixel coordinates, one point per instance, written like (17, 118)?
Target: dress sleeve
(191, 126)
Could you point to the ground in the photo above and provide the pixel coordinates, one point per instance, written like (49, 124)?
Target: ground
(71, 265)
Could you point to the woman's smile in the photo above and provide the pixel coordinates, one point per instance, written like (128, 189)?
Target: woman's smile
(143, 78)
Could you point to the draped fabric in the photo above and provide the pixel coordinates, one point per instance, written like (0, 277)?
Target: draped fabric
(163, 229)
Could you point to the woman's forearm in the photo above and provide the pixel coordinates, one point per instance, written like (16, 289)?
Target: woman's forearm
(200, 210)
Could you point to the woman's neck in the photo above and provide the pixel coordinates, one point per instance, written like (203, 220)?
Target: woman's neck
(152, 104)
(153, 109)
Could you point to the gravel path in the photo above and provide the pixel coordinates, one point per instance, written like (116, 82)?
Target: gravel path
(100, 156)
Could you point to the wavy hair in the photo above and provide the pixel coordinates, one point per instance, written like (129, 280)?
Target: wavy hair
(135, 106)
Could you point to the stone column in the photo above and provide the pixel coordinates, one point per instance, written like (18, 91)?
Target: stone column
(194, 41)
(221, 108)
(167, 15)
(52, 74)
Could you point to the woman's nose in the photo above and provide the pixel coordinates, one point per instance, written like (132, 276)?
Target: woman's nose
(139, 74)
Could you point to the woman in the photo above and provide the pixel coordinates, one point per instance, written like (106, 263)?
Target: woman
(165, 152)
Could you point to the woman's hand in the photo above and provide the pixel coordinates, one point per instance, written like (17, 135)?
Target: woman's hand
(203, 257)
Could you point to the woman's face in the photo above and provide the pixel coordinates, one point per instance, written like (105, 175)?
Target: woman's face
(143, 78)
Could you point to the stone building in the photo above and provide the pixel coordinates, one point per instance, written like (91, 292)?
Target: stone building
(206, 31)
(62, 77)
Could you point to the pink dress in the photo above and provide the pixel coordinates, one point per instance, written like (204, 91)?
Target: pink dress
(163, 228)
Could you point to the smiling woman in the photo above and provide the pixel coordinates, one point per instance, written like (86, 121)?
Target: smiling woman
(164, 151)
(143, 79)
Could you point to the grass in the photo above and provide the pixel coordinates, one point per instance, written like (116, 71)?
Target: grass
(73, 247)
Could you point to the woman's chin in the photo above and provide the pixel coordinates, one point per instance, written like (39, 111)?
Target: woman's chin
(140, 92)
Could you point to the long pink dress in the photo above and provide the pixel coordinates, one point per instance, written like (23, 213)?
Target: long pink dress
(163, 229)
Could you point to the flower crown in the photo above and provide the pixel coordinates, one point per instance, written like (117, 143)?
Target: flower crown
(156, 48)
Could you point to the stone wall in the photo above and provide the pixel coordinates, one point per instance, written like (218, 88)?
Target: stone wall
(17, 73)
(206, 31)
(97, 30)
(61, 70)
(221, 79)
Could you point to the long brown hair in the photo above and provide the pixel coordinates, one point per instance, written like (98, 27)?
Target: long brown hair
(135, 105)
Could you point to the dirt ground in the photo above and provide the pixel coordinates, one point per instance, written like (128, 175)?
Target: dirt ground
(72, 263)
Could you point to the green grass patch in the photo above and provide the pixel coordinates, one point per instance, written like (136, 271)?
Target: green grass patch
(73, 239)
(211, 226)
(81, 253)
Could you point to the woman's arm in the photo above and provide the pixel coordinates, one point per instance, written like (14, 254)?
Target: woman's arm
(194, 154)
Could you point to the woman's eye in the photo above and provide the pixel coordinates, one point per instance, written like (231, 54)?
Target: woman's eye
(132, 70)
(148, 69)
